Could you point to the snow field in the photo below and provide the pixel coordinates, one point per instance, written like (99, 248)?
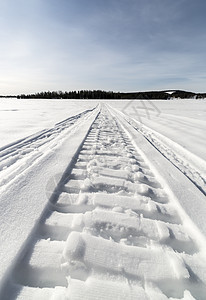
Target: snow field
(15, 159)
(182, 121)
(20, 118)
(176, 128)
(112, 231)
(190, 164)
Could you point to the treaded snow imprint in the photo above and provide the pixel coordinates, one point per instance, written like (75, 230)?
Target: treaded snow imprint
(112, 233)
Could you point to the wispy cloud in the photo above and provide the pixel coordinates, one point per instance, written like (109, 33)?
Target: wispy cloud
(111, 44)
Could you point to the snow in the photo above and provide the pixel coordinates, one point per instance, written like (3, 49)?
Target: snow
(176, 128)
(187, 197)
(20, 118)
(182, 121)
(26, 193)
(91, 209)
(97, 252)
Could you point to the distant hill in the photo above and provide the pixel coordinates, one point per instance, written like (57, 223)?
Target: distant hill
(99, 94)
(186, 95)
(166, 94)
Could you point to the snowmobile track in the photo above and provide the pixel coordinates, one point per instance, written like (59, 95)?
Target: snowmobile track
(110, 231)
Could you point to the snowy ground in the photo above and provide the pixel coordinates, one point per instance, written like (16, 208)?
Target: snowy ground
(20, 118)
(176, 128)
(98, 206)
(183, 121)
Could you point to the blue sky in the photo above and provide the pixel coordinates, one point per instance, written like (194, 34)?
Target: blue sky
(120, 45)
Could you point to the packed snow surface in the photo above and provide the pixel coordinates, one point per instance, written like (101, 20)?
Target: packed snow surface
(99, 202)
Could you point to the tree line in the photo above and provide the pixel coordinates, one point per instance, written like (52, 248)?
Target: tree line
(95, 94)
(99, 94)
(83, 94)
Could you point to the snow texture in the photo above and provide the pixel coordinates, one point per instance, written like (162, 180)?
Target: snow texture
(90, 209)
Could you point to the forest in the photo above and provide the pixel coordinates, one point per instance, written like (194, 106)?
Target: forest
(99, 94)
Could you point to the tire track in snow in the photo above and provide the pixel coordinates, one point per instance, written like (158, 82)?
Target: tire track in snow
(16, 158)
(179, 157)
(188, 163)
(111, 231)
